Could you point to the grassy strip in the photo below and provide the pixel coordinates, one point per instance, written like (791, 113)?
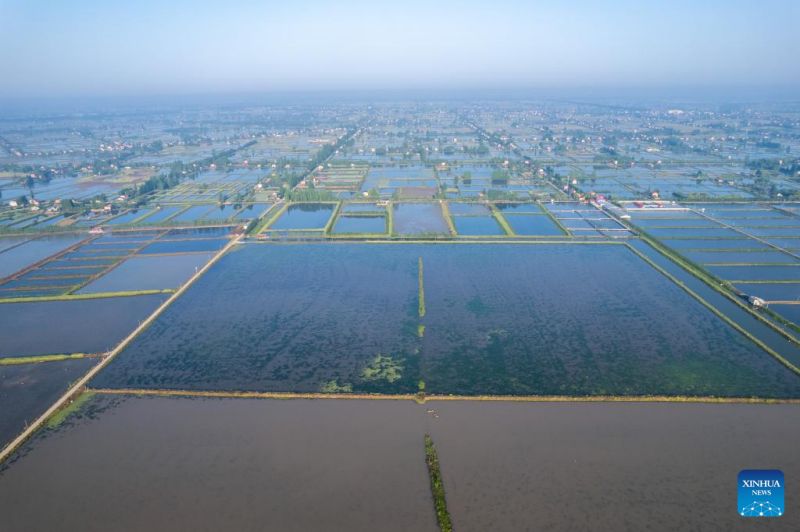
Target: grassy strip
(719, 314)
(13, 361)
(332, 219)
(269, 220)
(501, 219)
(76, 297)
(73, 406)
(437, 486)
(390, 218)
(420, 276)
(415, 397)
(448, 218)
(553, 219)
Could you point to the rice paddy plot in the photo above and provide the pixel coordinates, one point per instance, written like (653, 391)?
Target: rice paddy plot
(80, 326)
(65, 262)
(24, 255)
(27, 390)
(191, 214)
(477, 226)
(536, 330)
(419, 219)
(360, 224)
(650, 223)
(344, 317)
(294, 317)
(773, 232)
(503, 471)
(468, 209)
(533, 225)
(11, 241)
(745, 223)
(739, 257)
(304, 216)
(196, 232)
(772, 291)
(789, 312)
(150, 469)
(185, 246)
(162, 214)
(129, 217)
(722, 244)
(694, 232)
(363, 208)
(788, 272)
(48, 271)
(518, 208)
(148, 273)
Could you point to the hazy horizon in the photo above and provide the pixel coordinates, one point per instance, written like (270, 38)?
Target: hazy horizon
(100, 49)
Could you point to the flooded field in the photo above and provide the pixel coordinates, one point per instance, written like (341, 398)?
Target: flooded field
(80, 326)
(149, 273)
(210, 464)
(250, 464)
(345, 317)
(608, 466)
(419, 218)
(304, 216)
(27, 390)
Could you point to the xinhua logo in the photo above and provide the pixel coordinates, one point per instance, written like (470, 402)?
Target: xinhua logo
(761, 493)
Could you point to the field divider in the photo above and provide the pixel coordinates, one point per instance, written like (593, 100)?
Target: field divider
(223, 394)
(448, 218)
(271, 219)
(78, 387)
(79, 297)
(14, 361)
(332, 220)
(498, 216)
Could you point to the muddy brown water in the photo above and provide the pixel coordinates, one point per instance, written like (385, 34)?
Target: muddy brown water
(249, 464)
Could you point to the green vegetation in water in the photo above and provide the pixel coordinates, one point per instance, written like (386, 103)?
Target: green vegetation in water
(478, 307)
(12, 361)
(421, 290)
(59, 417)
(437, 486)
(420, 330)
(383, 368)
(333, 386)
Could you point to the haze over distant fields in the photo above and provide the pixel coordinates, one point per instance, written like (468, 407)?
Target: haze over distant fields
(93, 47)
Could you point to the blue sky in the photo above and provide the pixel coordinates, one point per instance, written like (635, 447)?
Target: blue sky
(63, 48)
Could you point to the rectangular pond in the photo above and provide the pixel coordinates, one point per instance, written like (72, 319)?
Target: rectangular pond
(211, 464)
(533, 225)
(149, 273)
(477, 225)
(500, 319)
(304, 216)
(419, 219)
(60, 327)
(360, 224)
